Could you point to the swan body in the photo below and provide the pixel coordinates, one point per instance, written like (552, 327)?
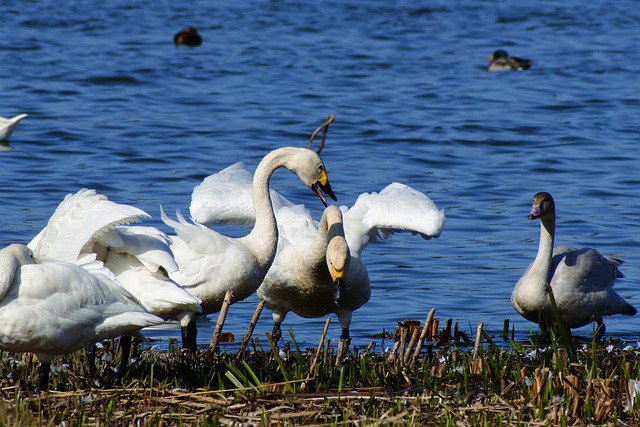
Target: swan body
(50, 307)
(292, 283)
(210, 264)
(89, 230)
(7, 126)
(581, 279)
(501, 61)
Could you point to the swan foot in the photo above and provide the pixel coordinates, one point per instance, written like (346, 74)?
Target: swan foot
(189, 334)
(43, 376)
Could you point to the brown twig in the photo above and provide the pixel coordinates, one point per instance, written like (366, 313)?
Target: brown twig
(324, 126)
(252, 325)
(423, 334)
(315, 359)
(221, 318)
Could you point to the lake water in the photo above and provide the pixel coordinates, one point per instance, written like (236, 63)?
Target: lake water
(114, 105)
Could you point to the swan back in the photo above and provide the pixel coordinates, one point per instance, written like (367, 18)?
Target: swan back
(54, 307)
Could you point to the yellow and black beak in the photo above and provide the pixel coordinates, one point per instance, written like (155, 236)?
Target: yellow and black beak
(322, 186)
(339, 289)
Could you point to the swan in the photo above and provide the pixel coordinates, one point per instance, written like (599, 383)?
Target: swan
(581, 279)
(286, 287)
(89, 230)
(501, 61)
(50, 307)
(7, 126)
(210, 264)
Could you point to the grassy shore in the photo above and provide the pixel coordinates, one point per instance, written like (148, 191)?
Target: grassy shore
(441, 378)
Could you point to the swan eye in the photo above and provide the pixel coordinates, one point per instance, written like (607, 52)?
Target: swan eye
(320, 168)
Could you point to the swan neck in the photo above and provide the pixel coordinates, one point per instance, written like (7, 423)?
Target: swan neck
(542, 263)
(262, 240)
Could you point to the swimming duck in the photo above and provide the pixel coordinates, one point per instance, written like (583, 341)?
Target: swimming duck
(501, 61)
(581, 279)
(7, 126)
(187, 37)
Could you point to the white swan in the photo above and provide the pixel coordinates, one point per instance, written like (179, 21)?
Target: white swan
(7, 126)
(87, 229)
(210, 264)
(581, 279)
(285, 288)
(53, 307)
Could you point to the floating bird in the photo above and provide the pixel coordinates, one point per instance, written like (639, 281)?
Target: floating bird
(89, 230)
(211, 264)
(7, 126)
(289, 284)
(581, 280)
(187, 37)
(501, 61)
(52, 307)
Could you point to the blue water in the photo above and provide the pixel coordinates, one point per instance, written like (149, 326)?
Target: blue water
(114, 105)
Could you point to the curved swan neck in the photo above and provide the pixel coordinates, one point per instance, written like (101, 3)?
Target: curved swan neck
(329, 227)
(262, 240)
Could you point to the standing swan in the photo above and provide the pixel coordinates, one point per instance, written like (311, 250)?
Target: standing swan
(581, 279)
(89, 230)
(289, 285)
(53, 307)
(211, 264)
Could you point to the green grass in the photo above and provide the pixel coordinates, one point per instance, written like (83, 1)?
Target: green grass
(516, 385)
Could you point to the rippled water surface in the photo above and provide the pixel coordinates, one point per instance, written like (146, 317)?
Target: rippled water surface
(114, 105)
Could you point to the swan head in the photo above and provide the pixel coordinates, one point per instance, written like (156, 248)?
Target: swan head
(21, 253)
(338, 258)
(311, 170)
(543, 206)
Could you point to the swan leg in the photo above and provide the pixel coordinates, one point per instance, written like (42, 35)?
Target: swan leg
(43, 376)
(189, 334)
(125, 352)
(90, 351)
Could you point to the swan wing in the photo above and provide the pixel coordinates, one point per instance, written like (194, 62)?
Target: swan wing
(148, 245)
(77, 221)
(226, 197)
(584, 270)
(397, 208)
(157, 293)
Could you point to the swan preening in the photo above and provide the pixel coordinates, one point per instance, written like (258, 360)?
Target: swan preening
(7, 126)
(210, 264)
(52, 307)
(581, 280)
(90, 230)
(299, 279)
